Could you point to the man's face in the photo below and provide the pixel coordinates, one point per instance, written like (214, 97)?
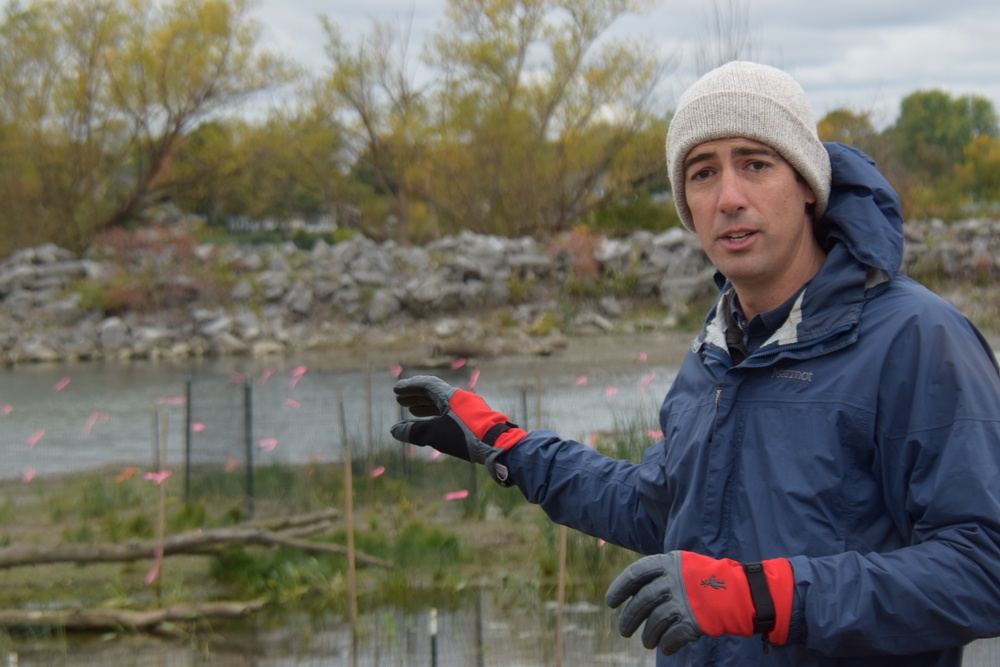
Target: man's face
(750, 213)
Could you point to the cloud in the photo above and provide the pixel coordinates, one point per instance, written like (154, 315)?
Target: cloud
(857, 54)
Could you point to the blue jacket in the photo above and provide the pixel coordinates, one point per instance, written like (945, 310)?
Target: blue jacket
(861, 442)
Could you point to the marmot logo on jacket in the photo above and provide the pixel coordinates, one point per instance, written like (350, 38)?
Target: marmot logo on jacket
(712, 582)
(791, 375)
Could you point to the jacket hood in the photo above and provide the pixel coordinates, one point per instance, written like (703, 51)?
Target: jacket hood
(864, 212)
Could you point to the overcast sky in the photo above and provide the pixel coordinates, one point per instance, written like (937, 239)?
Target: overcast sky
(865, 55)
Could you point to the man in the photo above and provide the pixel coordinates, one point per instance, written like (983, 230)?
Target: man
(828, 476)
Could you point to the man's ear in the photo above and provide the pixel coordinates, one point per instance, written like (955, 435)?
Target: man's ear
(810, 196)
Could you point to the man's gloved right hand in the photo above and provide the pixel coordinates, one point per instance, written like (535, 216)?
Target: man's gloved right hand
(459, 423)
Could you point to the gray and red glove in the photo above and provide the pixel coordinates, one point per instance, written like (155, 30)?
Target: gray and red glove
(460, 423)
(682, 595)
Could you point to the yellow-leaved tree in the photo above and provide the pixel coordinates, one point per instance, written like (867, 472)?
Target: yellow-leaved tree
(528, 117)
(98, 96)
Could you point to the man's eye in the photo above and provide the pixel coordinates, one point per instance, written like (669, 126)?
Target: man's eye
(699, 175)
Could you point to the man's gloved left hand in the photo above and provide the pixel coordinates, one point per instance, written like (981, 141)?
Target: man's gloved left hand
(460, 423)
(682, 595)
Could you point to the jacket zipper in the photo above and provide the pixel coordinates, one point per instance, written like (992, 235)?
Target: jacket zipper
(715, 416)
(728, 363)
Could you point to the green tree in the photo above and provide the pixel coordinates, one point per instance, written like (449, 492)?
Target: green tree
(850, 127)
(929, 142)
(97, 96)
(980, 172)
(51, 105)
(855, 128)
(371, 98)
(537, 106)
(281, 167)
(933, 129)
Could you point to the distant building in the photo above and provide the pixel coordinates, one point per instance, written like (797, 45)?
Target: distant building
(241, 224)
(343, 215)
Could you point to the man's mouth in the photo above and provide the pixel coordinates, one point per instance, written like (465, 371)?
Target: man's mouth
(738, 237)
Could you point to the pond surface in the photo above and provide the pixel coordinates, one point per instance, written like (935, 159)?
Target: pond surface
(70, 417)
(484, 630)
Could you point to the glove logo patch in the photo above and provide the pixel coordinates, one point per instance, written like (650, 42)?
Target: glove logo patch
(712, 582)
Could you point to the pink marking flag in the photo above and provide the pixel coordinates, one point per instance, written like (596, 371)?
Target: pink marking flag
(236, 378)
(94, 418)
(296, 375)
(125, 474)
(458, 363)
(456, 495)
(35, 437)
(377, 472)
(581, 381)
(154, 572)
(28, 475)
(197, 427)
(6, 409)
(266, 375)
(395, 371)
(268, 444)
(158, 477)
(292, 403)
(611, 391)
(171, 400)
(232, 464)
(473, 380)
(643, 356)
(62, 384)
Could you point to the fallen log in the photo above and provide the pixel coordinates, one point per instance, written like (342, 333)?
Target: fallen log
(297, 520)
(198, 542)
(111, 619)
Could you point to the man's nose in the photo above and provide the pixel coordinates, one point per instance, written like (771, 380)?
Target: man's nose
(732, 195)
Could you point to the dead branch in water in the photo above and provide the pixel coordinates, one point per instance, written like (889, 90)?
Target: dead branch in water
(111, 619)
(288, 532)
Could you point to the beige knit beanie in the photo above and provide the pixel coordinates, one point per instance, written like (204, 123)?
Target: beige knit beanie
(752, 101)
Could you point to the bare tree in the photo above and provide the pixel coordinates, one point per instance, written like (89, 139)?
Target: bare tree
(372, 83)
(729, 37)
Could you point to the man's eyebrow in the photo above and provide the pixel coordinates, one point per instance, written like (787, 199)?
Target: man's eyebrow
(739, 151)
(695, 159)
(749, 151)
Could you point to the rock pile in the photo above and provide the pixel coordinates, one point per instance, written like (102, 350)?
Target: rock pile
(334, 295)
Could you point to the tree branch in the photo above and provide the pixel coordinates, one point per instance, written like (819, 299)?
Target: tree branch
(193, 542)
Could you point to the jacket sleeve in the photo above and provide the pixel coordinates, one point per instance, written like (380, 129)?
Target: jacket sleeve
(616, 500)
(938, 461)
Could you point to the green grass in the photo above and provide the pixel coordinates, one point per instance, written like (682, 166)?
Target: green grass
(440, 550)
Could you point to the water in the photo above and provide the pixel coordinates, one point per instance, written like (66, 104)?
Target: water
(71, 417)
(484, 630)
